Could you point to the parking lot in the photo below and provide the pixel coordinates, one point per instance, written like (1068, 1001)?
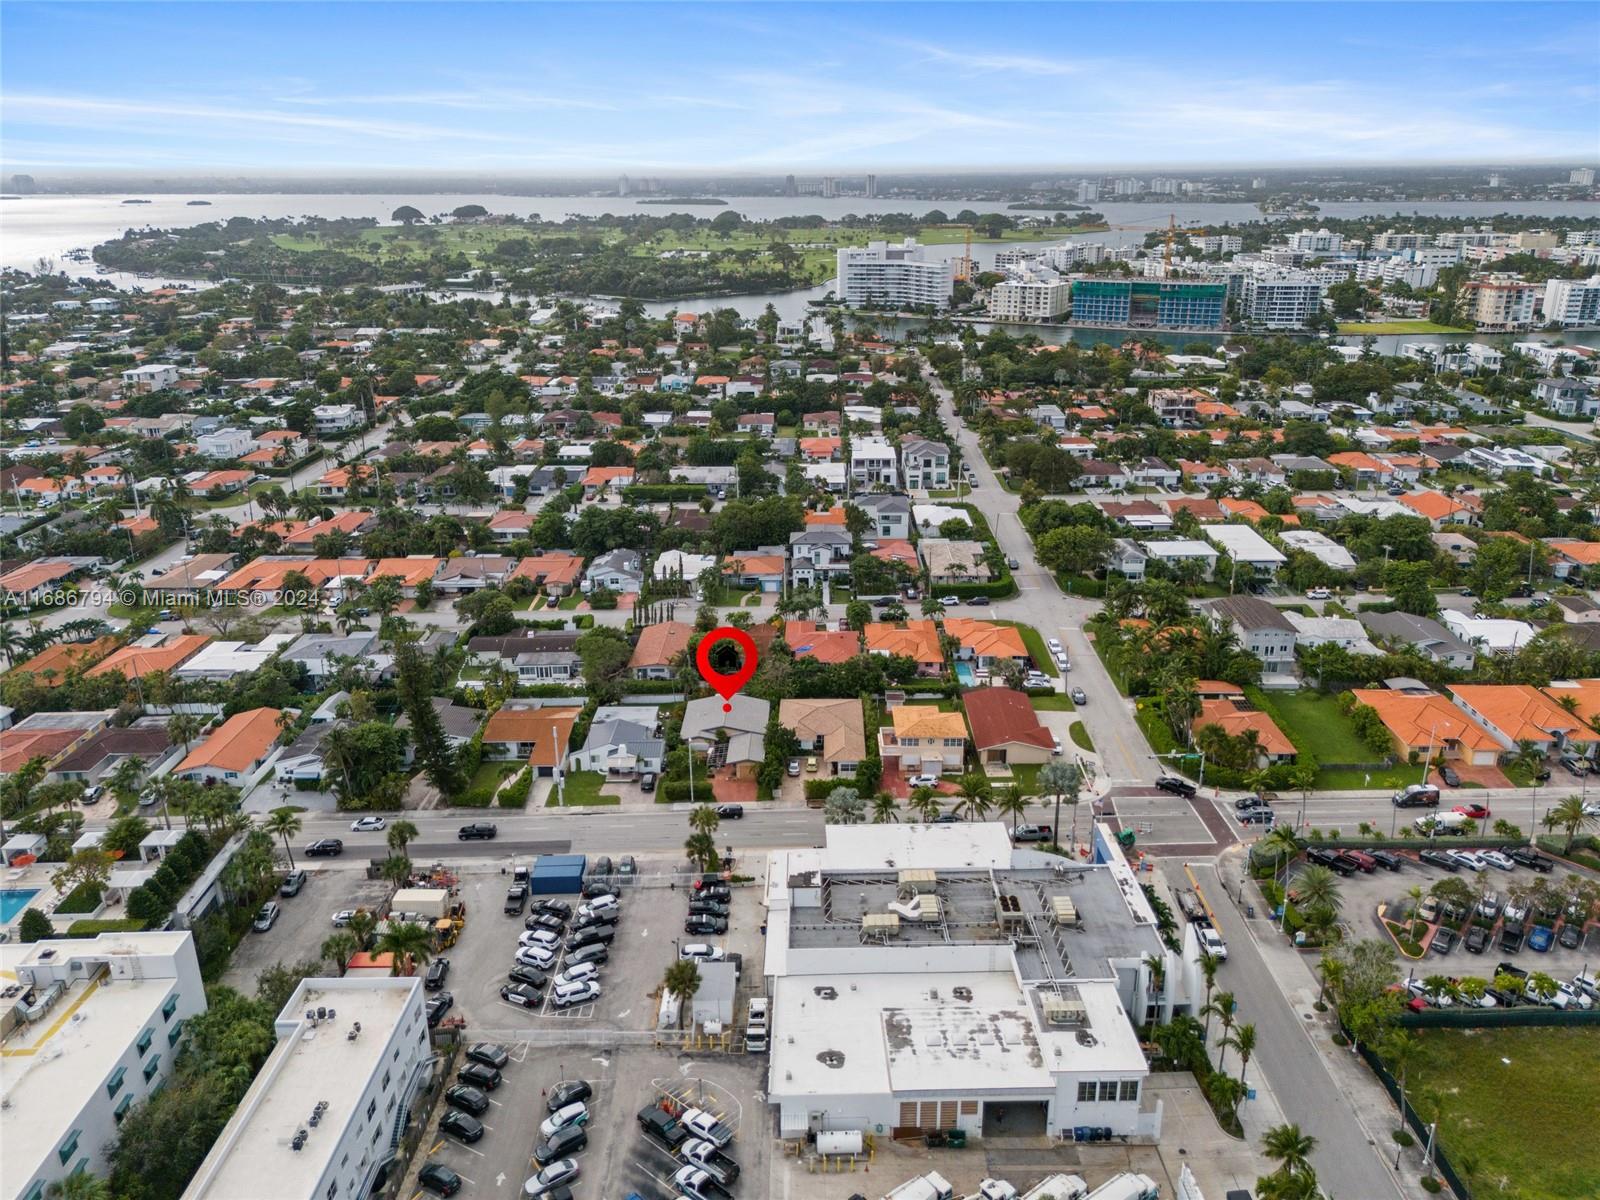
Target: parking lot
(1362, 893)
(610, 1043)
(305, 921)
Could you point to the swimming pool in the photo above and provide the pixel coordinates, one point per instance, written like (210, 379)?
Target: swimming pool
(13, 901)
(965, 675)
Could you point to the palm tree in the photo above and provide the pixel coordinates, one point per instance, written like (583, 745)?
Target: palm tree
(1226, 1093)
(338, 948)
(1570, 815)
(361, 925)
(182, 727)
(401, 834)
(284, 823)
(703, 819)
(1062, 779)
(683, 981)
(925, 803)
(1225, 1008)
(80, 1186)
(701, 848)
(1289, 1148)
(1012, 803)
(411, 945)
(1317, 887)
(1209, 965)
(884, 809)
(1244, 1043)
(972, 798)
(396, 869)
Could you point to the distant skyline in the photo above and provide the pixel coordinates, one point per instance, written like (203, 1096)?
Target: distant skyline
(563, 89)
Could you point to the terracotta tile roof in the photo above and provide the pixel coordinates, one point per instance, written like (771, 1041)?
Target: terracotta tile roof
(56, 661)
(20, 747)
(1358, 461)
(546, 729)
(926, 721)
(1235, 720)
(660, 643)
(1418, 721)
(1201, 509)
(754, 564)
(1520, 712)
(806, 640)
(840, 724)
(831, 517)
(1587, 553)
(820, 447)
(408, 571)
(999, 715)
(554, 566)
(1433, 505)
(239, 743)
(135, 662)
(349, 522)
(600, 476)
(986, 638)
(895, 550)
(513, 519)
(918, 640)
(25, 578)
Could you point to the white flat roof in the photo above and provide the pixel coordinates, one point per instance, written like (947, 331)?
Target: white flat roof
(308, 1065)
(51, 1069)
(1320, 545)
(1244, 544)
(1179, 548)
(981, 844)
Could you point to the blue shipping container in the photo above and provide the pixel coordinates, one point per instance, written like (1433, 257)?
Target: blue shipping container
(557, 875)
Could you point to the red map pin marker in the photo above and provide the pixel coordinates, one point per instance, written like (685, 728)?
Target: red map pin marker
(726, 685)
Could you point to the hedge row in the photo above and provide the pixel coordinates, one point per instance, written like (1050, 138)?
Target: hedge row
(85, 898)
(655, 493)
(152, 900)
(89, 929)
(515, 793)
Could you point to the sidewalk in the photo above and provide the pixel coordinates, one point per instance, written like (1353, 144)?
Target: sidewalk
(1295, 974)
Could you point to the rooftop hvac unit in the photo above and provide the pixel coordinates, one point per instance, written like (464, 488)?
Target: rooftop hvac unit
(1059, 1010)
(919, 876)
(881, 924)
(1008, 909)
(1063, 910)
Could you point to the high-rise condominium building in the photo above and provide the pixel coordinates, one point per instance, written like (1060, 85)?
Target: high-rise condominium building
(890, 273)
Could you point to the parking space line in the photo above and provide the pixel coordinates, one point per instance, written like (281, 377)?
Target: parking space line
(470, 1150)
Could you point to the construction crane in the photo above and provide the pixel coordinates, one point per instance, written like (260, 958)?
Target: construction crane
(964, 263)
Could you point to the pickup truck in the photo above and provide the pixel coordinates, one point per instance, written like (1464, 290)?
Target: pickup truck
(1210, 940)
(1033, 833)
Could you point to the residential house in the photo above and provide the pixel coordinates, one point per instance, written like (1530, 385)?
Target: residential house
(1127, 558)
(224, 443)
(681, 567)
(1567, 397)
(618, 570)
(873, 463)
(814, 639)
(1438, 508)
(1497, 635)
(623, 742)
(324, 655)
(1262, 629)
(1175, 552)
(1101, 476)
(598, 479)
(735, 739)
(538, 657)
(555, 572)
(759, 424)
(471, 574)
(985, 644)
(1569, 559)
(96, 759)
(233, 751)
(924, 463)
(832, 730)
(1344, 632)
(410, 572)
(459, 723)
(922, 740)
(329, 419)
(762, 569)
(950, 560)
(888, 512)
(509, 525)
(1515, 713)
(820, 554)
(658, 649)
(1425, 725)
(1154, 473)
(1422, 633)
(1005, 728)
(1578, 609)
(151, 653)
(916, 640)
(1236, 720)
(531, 731)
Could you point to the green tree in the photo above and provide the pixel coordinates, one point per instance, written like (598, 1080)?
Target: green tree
(843, 806)
(1410, 586)
(701, 849)
(414, 683)
(925, 803)
(703, 818)
(682, 979)
(1011, 803)
(400, 835)
(411, 945)
(1572, 816)
(35, 926)
(338, 947)
(283, 823)
(1064, 781)
(80, 1185)
(884, 809)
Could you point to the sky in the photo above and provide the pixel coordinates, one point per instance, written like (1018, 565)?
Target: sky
(771, 88)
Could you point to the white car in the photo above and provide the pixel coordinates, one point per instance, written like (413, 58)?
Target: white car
(706, 1127)
(557, 1174)
(928, 781)
(541, 957)
(368, 825)
(600, 904)
(1468, 858)
(342, 917)
(1062, 660)
(1037, 679)
(1568, 996)
(576, 1113)
(577, 973)
(695, 1183)
(1318, 593)
(702, 952)
(1055, 645)
(949, 601)
(1495, 859)
(569, 994)
(538, 937)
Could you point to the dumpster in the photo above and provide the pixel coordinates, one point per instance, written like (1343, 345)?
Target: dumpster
(556, 875)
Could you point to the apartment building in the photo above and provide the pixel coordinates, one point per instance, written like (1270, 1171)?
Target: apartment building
(92, 1030)
(882, 273)
(1280, 299)
(1318, 241)
(1149, 303)
(1031, 298)
(1572, 301)
(326, 1112)
(1500, 303)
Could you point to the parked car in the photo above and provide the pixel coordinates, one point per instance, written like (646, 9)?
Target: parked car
(1318, 593)
(576, 1113)
(267, 917)
(701, 952)
(597, 935)
(601, 866)
(707, 908)
(523, 995)
(541, 957)
(711, 888)
(1439, 858)
(1387, 860)
(1477, 939)
(368, 825)
(1033, 833)
(547, 921)
(1530, 858)
(438, 971)
(489, 1054)
(469, 1098)
(437, 1005)
(439, 1179)
(531, 976)
(730, 812)
(599, 904)
(558, 1174)
(1450, 776)
(1573, 765)
(705, 1126)
(1541, 938)
(325, 848)
(516, 899)
(571, 1091)
(1364, 861)
(478, 831)
(626, 866)
(538, 937)
(563, 1141)
(700, 925)
(1497, 860)
(793, 768)
(568, 996)
(1571, 935)
(647, 782)
(662, 1125)
(292, 883)
(459, 1125)
(1443, 942)
(921, 781)
(576, 973)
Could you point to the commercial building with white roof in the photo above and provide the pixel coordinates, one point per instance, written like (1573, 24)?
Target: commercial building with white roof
(1320, 546)
(90, 1030)
(935, 977)
(326, 1112)
(1246, 547)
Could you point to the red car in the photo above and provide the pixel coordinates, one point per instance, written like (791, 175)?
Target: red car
(1477, 812)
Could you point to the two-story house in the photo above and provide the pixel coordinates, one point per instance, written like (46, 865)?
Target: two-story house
(820, 554)
(618, 570)
(1262, 630)
(924, 463)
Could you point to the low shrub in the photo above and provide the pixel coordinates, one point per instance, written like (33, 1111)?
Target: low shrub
(89, 929)
(85, 898)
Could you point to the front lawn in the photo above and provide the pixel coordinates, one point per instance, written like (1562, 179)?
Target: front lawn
(1313, 722)
(1081, 738)
(1035, 647)
(1059, 702)
(572, 601)
(1514, 1101)
(1387, 327)
(582, 790)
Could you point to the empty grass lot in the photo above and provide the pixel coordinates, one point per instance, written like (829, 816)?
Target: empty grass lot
(1383, 327)
(1527, 1122)
(583, 791)
(1314, 722)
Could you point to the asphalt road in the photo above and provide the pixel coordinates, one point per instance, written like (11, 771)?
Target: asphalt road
(1346, 1164)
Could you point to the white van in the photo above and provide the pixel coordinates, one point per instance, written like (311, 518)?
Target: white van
(1440, 823)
